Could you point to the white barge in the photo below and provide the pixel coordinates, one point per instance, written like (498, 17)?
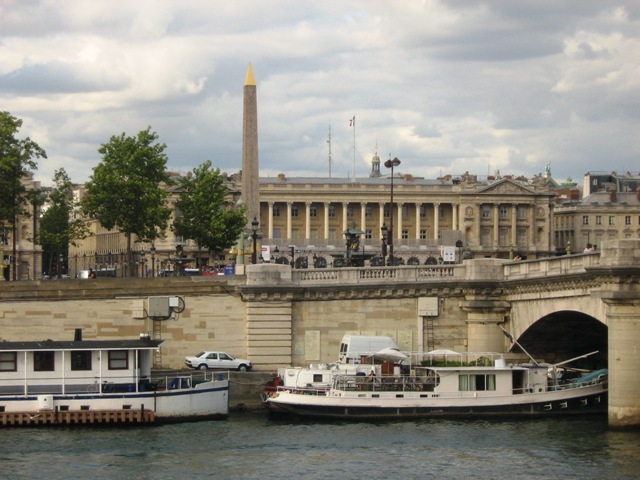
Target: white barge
(494, 389)
(101, 382)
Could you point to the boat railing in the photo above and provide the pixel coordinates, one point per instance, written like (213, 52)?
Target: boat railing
(97, 384)
(388, 383)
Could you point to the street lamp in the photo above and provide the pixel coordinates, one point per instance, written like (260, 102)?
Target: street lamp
(391, 164)
(153, 260)
(254, 236)
(384, 231)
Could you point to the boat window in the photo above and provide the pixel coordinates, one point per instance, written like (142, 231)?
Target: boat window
(476, 382)
(8, 362)
(317, 377)
(43, 362)
(118, 360)
(80, 360)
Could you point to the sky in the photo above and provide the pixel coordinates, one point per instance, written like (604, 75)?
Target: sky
(447, 87)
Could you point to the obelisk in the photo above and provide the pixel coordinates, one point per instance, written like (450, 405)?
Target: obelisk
(250, 170)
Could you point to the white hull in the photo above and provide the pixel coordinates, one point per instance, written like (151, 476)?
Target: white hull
(205, 400)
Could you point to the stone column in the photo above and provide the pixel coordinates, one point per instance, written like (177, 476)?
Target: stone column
(289, 204)
(270, 220)
(514, 226)
(326, 220)
(398, 221)
(381, 213)
(269, 323)
(307, 220)
(455, 207)
(496, 225)
(345, 205)
(620, 268)
(623, 320)
(363, 217)
(418, 226)
(436, 220)
(532, 225)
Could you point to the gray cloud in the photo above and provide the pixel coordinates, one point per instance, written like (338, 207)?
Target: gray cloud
(445, 86)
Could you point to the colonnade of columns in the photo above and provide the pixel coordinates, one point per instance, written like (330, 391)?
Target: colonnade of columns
(440, 214)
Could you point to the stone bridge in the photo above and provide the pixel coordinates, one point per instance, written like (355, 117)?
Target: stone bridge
(556, 308)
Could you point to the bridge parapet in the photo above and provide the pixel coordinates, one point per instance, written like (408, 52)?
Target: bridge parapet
(356, 276)
(553, 266)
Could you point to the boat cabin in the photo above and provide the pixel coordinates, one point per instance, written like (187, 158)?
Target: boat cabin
(61, 367)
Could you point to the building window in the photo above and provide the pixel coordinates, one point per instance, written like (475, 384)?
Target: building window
(43, 362)
(504, 212)
(486, 211)
(368, 212)
(405, 234)
(423, 234)
(80, 360)
(522, 237)
(294, 210)
(476, 383)
(598, 220)
(612, 220)
(349, 212)
(585, 219)
(405, 210)
(332, 211)
(423, 211)
(440, 211)
(8, 362)
(313, 211)
(277, 233)
(118, 359)
(368, 233)
(387, 210)
(503, 237)
(485, 237)
(522, 212)
(276, 210)
(313, 233)
(627, 220)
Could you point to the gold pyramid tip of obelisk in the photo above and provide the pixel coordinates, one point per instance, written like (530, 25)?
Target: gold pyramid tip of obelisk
(250, 80)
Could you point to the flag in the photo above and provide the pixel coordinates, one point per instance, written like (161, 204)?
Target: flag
(352, 122)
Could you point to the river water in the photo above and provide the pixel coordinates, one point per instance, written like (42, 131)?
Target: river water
(251, 446)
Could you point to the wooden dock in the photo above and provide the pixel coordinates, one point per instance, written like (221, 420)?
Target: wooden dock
(76, 417)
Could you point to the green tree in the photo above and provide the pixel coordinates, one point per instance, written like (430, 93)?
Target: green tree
(16, 161)
(203, 216)
(125, 190)
(58, 227)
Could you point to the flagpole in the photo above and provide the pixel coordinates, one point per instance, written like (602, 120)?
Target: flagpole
(354, 148)
(512, 338)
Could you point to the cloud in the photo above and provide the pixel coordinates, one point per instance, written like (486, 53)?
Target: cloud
(447, 87)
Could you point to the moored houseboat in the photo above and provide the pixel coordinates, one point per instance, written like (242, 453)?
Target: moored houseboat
(101, 382)
(483, 386)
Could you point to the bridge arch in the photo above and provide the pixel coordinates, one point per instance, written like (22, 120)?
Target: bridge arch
(566, 334)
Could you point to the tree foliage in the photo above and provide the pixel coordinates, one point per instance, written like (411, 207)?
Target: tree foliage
(203, 217)
(125, 190)
(59, 227)
(16, 161)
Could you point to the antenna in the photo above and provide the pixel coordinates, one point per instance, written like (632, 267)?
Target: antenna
(329, 142)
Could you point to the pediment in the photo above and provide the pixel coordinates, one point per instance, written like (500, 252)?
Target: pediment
(506, 186)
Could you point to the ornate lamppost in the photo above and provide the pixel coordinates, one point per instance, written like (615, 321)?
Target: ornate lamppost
(391, 164)
(254, 236)
(384, 231)
(153, 260)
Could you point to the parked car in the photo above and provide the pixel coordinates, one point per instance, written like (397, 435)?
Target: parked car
(217, 360)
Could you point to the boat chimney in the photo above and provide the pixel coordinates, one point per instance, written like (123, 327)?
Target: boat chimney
(77, 337)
